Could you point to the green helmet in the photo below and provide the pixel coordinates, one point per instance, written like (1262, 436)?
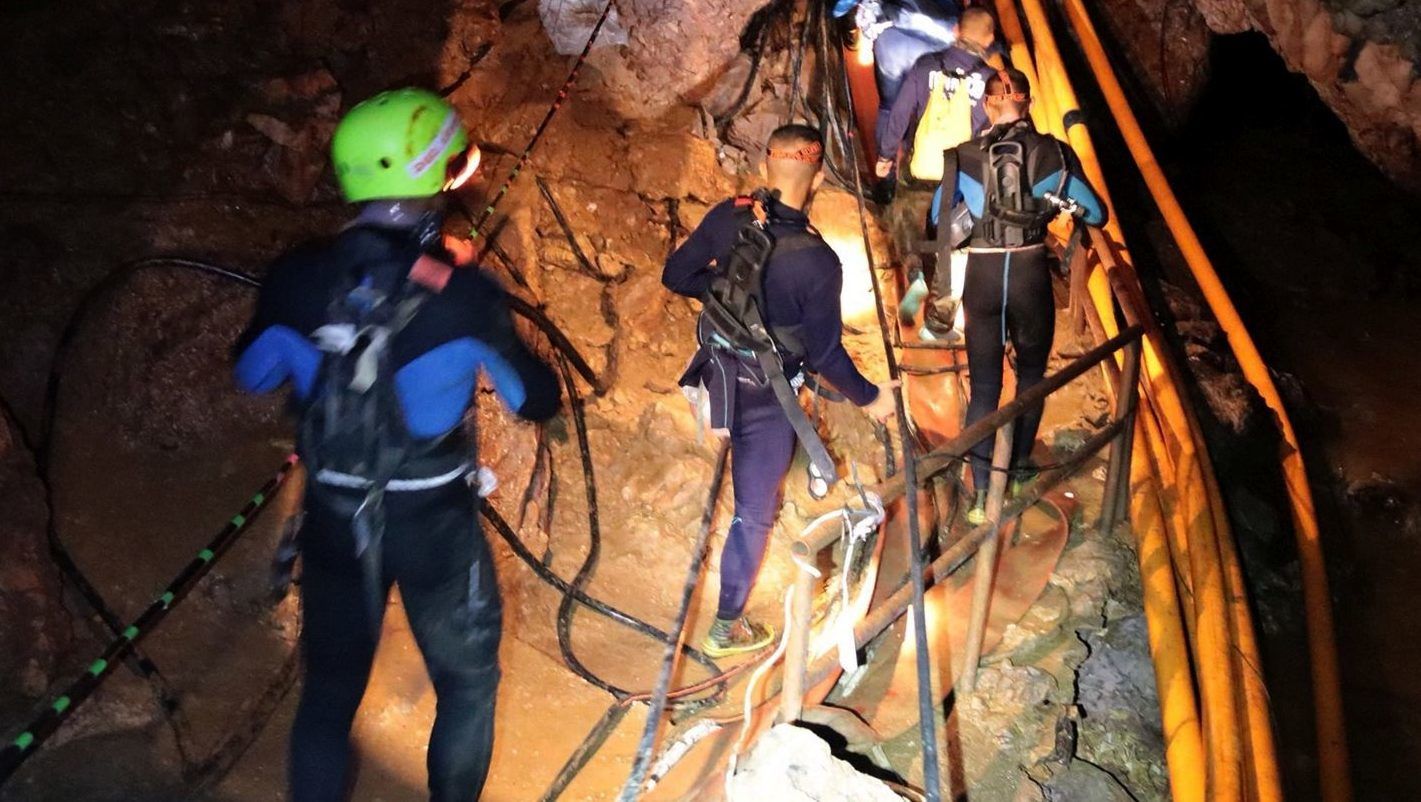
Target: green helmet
(399, 144)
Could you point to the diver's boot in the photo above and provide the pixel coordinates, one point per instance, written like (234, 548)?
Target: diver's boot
(736, 636)
(913, 298)
(977, 514)
(1021, 478)
(929, 333)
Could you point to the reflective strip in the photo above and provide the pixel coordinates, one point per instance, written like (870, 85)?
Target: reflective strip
(97, 667)
(327, 476)
(420, 164)
(166, 599)
(24, 741)
(61, 704)
(130, 633)
(205, 555)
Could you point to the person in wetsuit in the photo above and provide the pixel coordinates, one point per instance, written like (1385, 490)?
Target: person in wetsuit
(960, 68)
(406, 515)
(801, 294)
(1007, 293)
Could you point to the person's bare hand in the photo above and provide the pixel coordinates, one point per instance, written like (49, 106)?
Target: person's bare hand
(884, 406)
(883, 167)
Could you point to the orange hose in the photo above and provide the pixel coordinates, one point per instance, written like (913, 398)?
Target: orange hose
(1332, 745)
(1225, 650)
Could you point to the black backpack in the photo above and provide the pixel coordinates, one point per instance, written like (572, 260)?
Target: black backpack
(734, 312)
(1012, 216)
(352, 433)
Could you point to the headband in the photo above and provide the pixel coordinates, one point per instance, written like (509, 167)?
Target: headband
(812, 153)
(1009, 90)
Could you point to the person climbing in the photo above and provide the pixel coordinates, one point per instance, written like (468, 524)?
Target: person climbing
(900, 32)
(958, 77)
(1012, 180)
(383, 343)
(799, 300)
(938, 108)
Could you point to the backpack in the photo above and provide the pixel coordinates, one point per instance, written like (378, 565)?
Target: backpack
(1012, 216)
(352, 434)
(733, 311)
(945, 124)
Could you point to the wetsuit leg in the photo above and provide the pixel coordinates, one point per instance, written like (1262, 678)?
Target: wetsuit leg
(761, 447)
(442, 565)
(337, 645)
(1031, 322)
(982, 303)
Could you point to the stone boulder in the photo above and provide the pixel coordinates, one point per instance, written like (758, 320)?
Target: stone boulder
(792, 764)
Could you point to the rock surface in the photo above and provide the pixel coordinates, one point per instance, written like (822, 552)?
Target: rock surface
(34, 626)
(792, 764)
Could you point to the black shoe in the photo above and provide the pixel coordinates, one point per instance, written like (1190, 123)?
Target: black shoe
(884, 189)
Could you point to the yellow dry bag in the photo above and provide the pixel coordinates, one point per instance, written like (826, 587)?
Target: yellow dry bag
(945, 124)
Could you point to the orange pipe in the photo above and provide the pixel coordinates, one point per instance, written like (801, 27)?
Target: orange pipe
(1213, 558)
(1332, 744)
(1184, 751)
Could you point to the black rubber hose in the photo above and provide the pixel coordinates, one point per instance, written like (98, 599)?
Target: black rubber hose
(632, 789)
(568, 608)
(44, 454)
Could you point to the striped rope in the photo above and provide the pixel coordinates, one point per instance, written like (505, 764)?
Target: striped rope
(497, 198)
(27, 742)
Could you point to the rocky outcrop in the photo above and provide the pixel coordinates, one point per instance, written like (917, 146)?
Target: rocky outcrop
(1360, 55)
(793, 764)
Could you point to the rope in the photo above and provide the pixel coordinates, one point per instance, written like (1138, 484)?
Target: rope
(59, 711)
(927, 706)
(562, 94)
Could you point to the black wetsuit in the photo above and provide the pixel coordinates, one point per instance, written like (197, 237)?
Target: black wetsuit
(1007, 293)
(432, 545)
(801, 293)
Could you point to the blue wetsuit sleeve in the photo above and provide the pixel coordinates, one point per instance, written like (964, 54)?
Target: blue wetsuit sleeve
(690, 268)
(969, 189)
(274, 347)
(907, 109)
(277, 354)
(1077, 188)
(820, 329)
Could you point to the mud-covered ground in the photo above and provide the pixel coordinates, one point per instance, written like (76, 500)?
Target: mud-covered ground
(152, 129)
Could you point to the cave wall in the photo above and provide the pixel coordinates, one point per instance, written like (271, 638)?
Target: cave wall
(1360, 56)
(35, 628)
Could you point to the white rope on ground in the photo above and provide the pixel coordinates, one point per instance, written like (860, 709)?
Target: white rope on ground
(755, 677)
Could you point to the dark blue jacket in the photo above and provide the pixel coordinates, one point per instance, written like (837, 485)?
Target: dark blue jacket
(955, 64)
(462, 329)
(801, 291)
(1047, 161)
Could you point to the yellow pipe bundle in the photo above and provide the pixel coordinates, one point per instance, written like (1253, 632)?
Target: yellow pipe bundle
(1219, 741)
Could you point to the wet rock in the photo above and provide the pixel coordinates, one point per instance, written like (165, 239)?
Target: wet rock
(1167, 45)
(1120, 725)
(641, 82)
(1082, 781)
(1361, 61)
(679, 165)
(792, 764)
(569, 24)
